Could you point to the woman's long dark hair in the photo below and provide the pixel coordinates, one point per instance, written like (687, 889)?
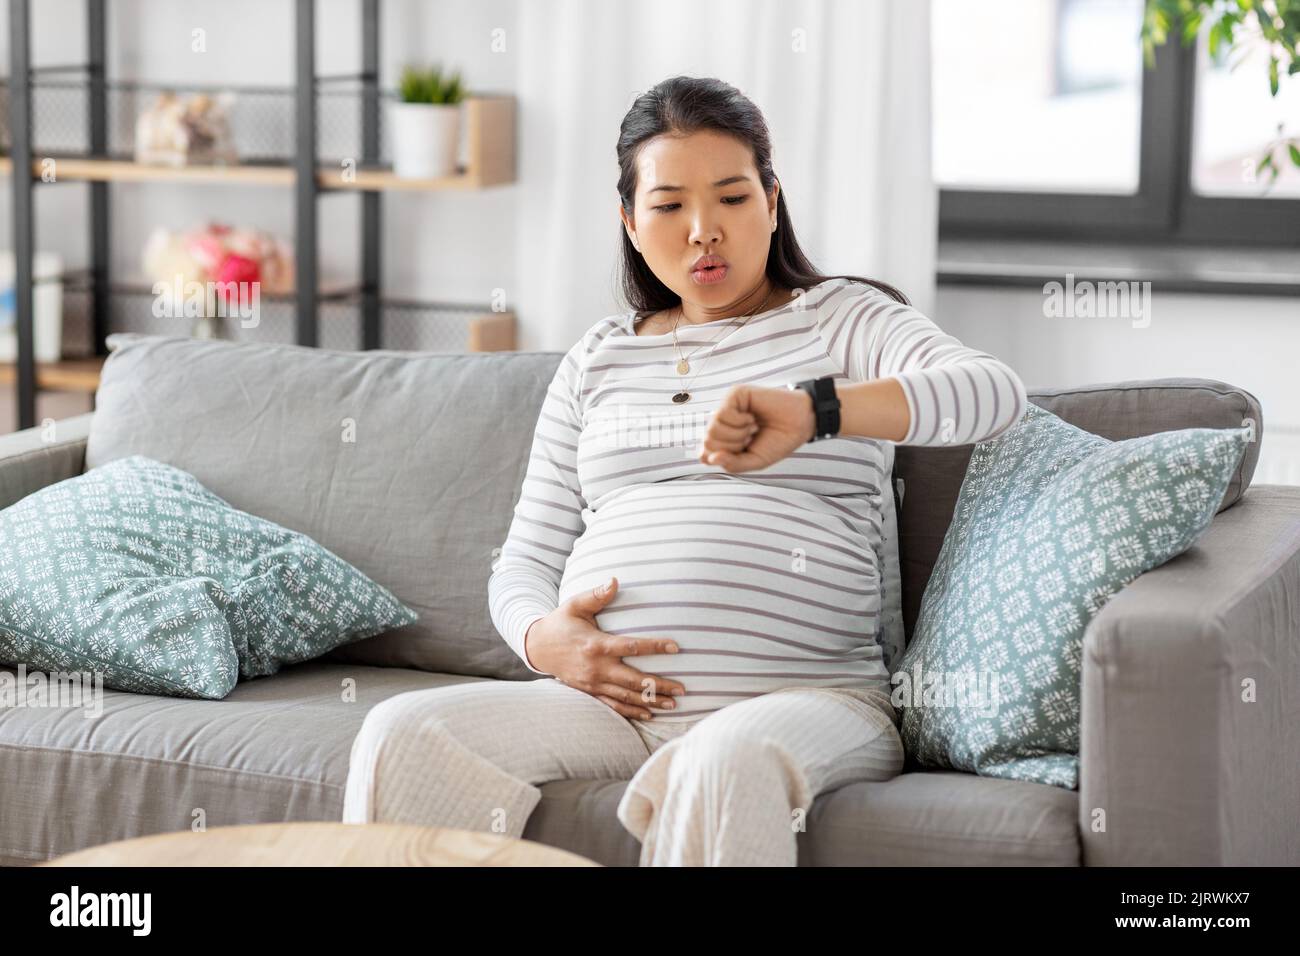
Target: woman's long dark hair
(683, 105)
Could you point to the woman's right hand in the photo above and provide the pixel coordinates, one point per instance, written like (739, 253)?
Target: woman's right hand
(569, 646)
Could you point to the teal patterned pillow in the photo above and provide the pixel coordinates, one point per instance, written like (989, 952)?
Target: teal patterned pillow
(136, 571)
(1050, 522)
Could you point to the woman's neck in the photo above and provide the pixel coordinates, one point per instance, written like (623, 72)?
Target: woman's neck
(688, 313)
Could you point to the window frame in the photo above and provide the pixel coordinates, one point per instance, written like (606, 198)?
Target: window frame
(1165, 209)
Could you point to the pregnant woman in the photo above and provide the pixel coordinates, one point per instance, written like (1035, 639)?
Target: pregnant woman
(700, 563)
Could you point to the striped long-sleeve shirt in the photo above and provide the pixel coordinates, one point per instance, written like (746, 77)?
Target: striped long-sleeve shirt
(765, 579)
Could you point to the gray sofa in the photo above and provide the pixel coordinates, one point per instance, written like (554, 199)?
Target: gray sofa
(409, 464)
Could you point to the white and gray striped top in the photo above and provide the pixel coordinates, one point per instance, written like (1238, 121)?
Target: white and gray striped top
(765, 579)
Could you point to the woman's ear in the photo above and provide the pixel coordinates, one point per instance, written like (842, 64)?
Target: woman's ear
(629, 228)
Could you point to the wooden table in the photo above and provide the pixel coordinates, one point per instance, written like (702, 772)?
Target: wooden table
(324, 844)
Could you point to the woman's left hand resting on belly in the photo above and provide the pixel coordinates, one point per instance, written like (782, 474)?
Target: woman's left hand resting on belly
(756, 426)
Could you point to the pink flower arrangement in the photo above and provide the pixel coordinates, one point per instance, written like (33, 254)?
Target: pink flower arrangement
(219, 253)
(233, 270)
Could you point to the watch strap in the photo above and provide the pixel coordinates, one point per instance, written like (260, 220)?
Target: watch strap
(826, 405)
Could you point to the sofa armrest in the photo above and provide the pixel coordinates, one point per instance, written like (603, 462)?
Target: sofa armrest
(35, 457)
(1186, 767)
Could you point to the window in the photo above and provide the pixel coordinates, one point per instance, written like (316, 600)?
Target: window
(1040, 96)
(1047, 124)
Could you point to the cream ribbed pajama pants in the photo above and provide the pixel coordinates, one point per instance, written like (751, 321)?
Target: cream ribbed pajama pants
(728, 788)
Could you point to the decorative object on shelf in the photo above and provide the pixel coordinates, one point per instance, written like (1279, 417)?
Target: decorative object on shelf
(185, 132)
(425, 124)
(47, 307)
(215, 270)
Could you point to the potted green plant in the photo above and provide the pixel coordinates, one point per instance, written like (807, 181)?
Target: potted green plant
(425, 123)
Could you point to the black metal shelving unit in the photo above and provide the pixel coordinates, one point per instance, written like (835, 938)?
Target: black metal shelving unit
(303, 161)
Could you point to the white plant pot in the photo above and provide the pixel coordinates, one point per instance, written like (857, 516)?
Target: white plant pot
(424, 138)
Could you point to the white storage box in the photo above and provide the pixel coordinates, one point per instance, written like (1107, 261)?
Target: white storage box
(47, 307)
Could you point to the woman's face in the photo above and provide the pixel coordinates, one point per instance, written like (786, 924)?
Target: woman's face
(700, 195)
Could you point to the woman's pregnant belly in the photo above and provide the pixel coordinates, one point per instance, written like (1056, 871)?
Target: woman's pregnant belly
(761, 587)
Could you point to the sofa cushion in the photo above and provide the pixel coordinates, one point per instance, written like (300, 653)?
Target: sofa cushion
(928, 479)
(274, 749)
(926, 818)
(138, 574)
(1050, 523)
(405, 464)
(277, 749)
(97, 582)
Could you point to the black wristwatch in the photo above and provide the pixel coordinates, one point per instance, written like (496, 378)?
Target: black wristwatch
(826, 405)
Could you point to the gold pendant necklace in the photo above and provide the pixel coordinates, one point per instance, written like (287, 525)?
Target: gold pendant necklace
(683, 361)
(683, 366)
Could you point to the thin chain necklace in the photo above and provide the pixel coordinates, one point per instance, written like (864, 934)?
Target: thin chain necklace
(683, 366)
(683, 363)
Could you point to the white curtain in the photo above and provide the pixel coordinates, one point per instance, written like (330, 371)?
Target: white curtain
(844, 86)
